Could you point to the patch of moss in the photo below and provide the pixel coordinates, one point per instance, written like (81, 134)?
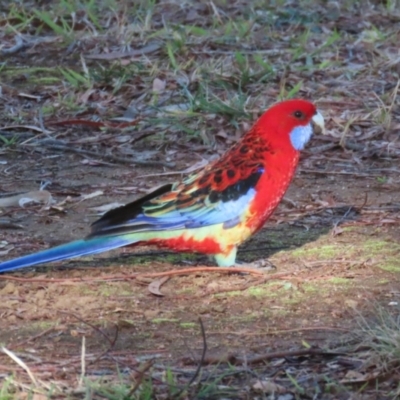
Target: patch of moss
(323, 252)
(161, 320)
(336, 280)
(188, 325)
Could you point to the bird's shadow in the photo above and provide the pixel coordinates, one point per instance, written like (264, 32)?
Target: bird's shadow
(295, 233)
(273, 238)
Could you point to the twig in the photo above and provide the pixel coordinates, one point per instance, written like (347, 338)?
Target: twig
(200, 363)
(95, 328)
(120, 160)
(294, 353)
(323, 147)
(21, 364)
(101, 355)
(281, 331)
(326, 172)
(233, 359)
(228, 270)
(194, 270)
(112, 342)
(150, 48)
(19, 45)
(9, 225)
(83, 365)
(203, 354)
(141, 372)
(41, 125)
(342, 218)
(33, 338)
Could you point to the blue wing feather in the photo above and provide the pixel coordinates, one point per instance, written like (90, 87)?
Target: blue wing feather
(67, 251)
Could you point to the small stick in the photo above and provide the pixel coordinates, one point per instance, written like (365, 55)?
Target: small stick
(21, 364)
(173, 272)
(120, 160)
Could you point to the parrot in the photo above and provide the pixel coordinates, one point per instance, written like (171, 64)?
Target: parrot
(213, 211)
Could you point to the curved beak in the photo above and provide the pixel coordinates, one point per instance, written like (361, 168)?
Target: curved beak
(318, 123)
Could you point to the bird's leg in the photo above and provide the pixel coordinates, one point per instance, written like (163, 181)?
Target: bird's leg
(228, 259)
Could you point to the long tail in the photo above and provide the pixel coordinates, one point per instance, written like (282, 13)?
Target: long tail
(69, 250)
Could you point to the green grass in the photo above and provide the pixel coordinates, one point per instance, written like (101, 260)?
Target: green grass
(230, 83)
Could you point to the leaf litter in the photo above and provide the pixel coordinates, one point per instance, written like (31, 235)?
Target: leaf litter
(182, 92)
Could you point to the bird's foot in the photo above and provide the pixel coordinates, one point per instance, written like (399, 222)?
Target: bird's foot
(263, 265)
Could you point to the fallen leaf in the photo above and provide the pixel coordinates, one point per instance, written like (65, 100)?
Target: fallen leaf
(222, 133)
(182, 108)
(38, 396)
(29, 96)
(154, 286)
(83, 99)
(150, 48)
(158, 85)
(351, 303)
(123, 138)
(21, 199)
(129, 188)
(192, 15)
(9, 225)
(91, 195)
(269, 387)
(5, 252)
(94, 162)
(151, 314)
(125, 323)
(337, 231)
(388, 221)
(354, 376)
(10, 288)
(200, 164)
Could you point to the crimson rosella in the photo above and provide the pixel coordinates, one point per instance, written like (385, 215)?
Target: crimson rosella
(215, 210)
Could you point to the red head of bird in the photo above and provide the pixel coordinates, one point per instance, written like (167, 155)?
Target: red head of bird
(289, 125)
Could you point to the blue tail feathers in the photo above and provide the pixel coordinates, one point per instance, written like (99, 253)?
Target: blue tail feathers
(66, 251)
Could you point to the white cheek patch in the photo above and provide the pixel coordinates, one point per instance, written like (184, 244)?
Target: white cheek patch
(300, 136)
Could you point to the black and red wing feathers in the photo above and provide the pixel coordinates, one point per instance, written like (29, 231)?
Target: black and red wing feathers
(219, 193)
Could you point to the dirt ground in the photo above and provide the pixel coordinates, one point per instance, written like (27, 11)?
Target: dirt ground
(102, 104)
(335, 235)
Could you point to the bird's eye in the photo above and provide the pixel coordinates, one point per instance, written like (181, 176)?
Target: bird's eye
(299, 114)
